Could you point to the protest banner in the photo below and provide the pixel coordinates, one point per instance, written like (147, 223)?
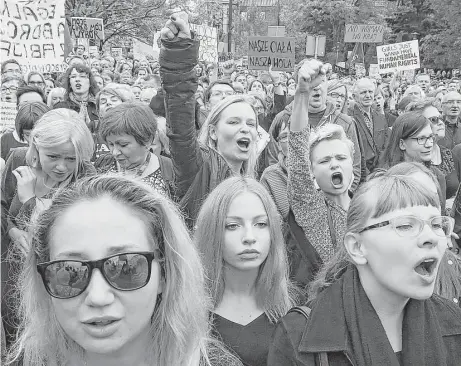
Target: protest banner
(93, 51)
(398, 57)
(116, 52)
(89, 28)
(208, 37)
(364, 33)
(373, 70)
(278, 52)
(8, 113)
(32, 32)
(141, 50)
(341, 70)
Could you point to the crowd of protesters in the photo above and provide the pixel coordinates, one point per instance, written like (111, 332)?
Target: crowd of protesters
(173, 212)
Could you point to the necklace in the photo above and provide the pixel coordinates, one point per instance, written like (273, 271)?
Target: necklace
(139, 170)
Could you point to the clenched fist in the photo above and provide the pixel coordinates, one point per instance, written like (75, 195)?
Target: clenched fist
(311, 74)
(177, 27)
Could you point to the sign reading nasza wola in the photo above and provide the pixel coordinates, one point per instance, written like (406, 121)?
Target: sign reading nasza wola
(278, 52)
(32, 32)
(398, 57)
(89, 28)
(364, 33)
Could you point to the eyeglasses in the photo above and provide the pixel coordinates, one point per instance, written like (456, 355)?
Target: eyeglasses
(452, 102)
(423, 139)
(337, 95)
(10, 89)
(411, 226)
(64, 279)
(435, 120)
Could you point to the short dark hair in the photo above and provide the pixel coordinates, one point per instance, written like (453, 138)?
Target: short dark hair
(29, 89)
(277, 125)
(28, 115)
(207, 93)
(10, 61)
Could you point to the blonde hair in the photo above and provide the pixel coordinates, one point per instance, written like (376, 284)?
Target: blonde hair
(273, 288)
(373, 199)
(57, 127)
(329, 132)
(54, 92)
(179, 324)
(213, 118)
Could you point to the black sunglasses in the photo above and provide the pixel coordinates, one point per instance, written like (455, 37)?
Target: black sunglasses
(64, 279)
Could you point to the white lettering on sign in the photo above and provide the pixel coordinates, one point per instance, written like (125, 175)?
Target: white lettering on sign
(364, 33)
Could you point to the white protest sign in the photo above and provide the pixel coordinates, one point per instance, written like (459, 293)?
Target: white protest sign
(364, 33)
(32, 32)
(208, 37)
(93, 50)
(374, 70)
(398, 57)
(8, 113)
(278, 52)
(89, 28)
(360, 70)
(116, 52)
(141, 50)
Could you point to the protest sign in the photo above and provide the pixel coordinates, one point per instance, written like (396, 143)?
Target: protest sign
(89, 28)
(341, 70)
(208, 37)
(93, 50)
(278, 52)
(141, 50)
(116, 52)
(8, 114)
(374, 70)
(398, 57)
(32, 32)
(276, 31)
(364, 33)
(360, 70)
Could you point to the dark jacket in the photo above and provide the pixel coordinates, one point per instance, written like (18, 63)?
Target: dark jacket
(198, 170)
(91, 107)
(371, 146)
(298, 341)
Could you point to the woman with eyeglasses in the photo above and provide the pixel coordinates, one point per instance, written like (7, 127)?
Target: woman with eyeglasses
(374, 302)
(36, 79)
(9, 87)
(337, 95)
(124, 286)
(227, 143)
(240, 238)
(412, 139)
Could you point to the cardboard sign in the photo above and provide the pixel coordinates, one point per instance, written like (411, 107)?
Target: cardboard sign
(116, 52)
(278, 52)
(8, 114)
(208, 37)
(398, 57)
(89, 28)
(142, 50)
(364, 33)
(32, 32)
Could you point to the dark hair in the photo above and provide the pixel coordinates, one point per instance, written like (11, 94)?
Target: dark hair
(405, 126)
(259, 81)
(29, 89)
(10, 61)
(134, 119)
(80, 68)
(138, 69)
(28, 115)
(108, 73)
(207, 93)
(277, 125)
(204, 79)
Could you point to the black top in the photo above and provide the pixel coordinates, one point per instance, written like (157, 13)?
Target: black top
(250, 342)
(399, 357)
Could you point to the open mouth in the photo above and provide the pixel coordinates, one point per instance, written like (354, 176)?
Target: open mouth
(243, 143)
(426, 267)
(337, 179)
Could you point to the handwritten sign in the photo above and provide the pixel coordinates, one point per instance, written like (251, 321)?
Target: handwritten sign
(208, 37)
(8, 114)
(398, 57)
(278, 52)
(364, 33)
(32, 32)
(89, 28)
(116, 52)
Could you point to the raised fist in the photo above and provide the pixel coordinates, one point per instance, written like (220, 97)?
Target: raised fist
(177, 27)
(311, 74)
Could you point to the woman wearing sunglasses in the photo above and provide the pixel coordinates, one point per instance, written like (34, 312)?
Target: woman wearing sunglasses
(373, 303)
(412, 139)
(123, 286)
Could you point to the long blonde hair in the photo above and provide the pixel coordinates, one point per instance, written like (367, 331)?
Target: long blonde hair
(273, 288)
(57, 127)
(249, 166)
(179, 325)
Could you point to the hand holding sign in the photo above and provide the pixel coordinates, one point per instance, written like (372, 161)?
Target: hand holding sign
(177, 27)
(310, 75)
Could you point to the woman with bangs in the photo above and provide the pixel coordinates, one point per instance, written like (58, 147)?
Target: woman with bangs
(123, 287)
(320, 174)
(239, 236)
(374, 302)
(227, 144)
(412, 139)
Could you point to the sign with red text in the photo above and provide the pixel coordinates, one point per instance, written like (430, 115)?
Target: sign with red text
(398, 57)
(278, 52)
(88, 28)
(364, 33)
(32, 32)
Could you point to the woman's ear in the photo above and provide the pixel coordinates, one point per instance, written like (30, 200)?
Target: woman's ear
(402, 145)
(212, 132)
(355, 249)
